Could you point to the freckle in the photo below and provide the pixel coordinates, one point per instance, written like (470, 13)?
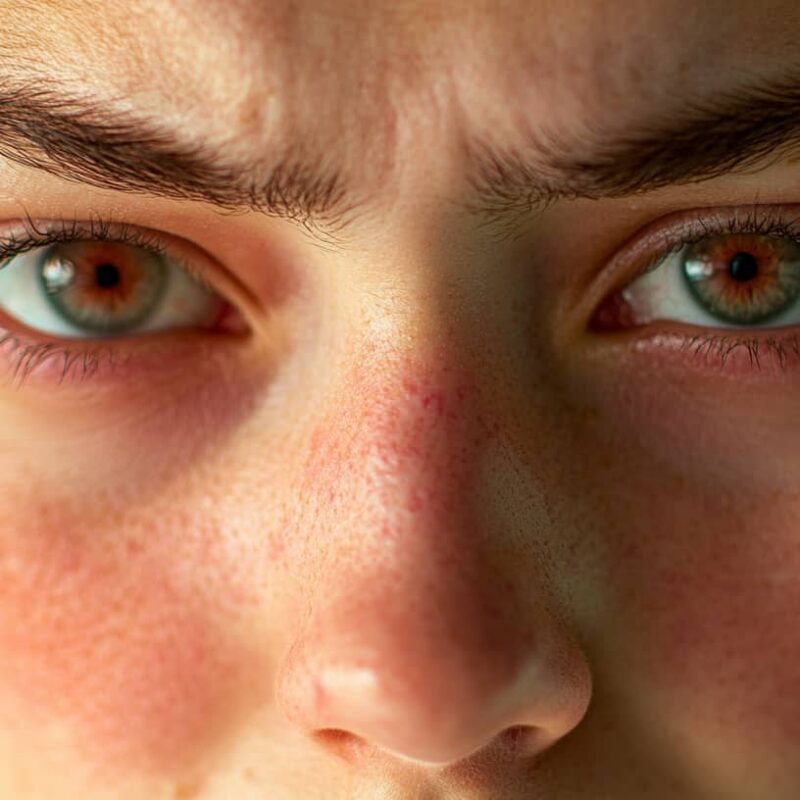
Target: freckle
(276, 545)
(134, 548)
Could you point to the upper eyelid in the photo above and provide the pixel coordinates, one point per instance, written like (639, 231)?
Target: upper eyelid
(755, 222)
(38, 233)
(667, 238)
(670, 233)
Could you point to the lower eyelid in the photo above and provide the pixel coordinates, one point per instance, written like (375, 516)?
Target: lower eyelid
(145, 361)
(48, 363)
(770, 357)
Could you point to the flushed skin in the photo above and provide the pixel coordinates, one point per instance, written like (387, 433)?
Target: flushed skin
(422, 505)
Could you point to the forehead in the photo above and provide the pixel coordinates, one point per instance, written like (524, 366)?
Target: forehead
(358, 71)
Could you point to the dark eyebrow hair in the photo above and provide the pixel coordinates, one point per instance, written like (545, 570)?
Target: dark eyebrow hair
(701, 140)
(92, 143)
(45, 127)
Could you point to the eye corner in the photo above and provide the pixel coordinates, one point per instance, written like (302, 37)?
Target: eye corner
(612, 315)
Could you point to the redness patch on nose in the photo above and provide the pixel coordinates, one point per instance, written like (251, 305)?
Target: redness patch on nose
(415, 418)
(109, 649)
(401, 443)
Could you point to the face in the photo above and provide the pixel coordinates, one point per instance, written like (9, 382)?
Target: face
(399, 400)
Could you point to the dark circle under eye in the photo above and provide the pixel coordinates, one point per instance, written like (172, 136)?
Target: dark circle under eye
(104, 287)
(743, 278)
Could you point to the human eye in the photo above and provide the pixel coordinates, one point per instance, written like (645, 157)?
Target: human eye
(715, 282)
(74, 296)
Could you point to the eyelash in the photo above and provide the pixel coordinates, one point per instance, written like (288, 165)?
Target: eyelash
(763, 220)
(88, 358)
(759, 220)
(59, 231)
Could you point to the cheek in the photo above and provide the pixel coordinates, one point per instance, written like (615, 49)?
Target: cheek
(701, 566)
(104, 642)
(706, 613)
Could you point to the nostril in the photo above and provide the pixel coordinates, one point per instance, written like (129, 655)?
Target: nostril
(347, 746)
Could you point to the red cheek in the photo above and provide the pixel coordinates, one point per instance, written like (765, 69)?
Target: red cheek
(110, 648)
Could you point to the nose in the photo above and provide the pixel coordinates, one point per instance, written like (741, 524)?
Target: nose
(422, 635)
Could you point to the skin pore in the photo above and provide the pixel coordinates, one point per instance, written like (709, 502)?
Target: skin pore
(420, 531)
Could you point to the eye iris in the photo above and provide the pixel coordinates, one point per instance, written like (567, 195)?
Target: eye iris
(745, 278)
(104, 287)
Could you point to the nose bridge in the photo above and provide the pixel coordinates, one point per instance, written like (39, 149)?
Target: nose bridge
(406, 432)
(395, 467)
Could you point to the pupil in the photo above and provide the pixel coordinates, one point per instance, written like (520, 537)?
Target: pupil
(743, 267)
(107, 275)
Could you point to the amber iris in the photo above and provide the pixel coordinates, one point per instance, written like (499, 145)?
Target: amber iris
(743, 278)
(111, 287)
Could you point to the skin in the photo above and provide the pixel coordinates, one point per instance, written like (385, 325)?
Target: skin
(420, 506)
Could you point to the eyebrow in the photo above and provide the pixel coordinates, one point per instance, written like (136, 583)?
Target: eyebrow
(91, 142)
(705, 138)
